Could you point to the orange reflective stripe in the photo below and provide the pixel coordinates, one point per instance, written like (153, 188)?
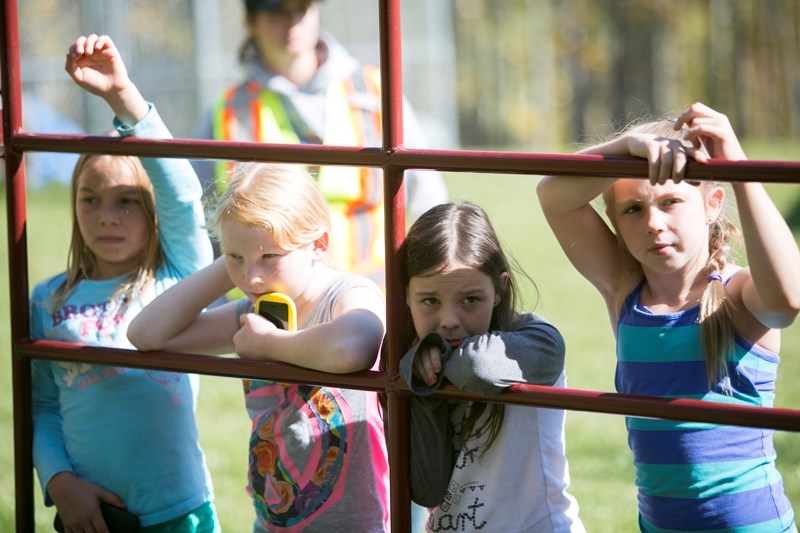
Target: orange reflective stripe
(248, 112)
(367, 120)
(342, 247)
(223, 123)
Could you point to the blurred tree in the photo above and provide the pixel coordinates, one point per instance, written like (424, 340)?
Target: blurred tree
(617, 60)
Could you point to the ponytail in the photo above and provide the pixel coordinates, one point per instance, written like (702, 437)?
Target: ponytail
(716, 310)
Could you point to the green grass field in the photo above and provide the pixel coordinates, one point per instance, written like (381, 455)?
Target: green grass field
(600, 462)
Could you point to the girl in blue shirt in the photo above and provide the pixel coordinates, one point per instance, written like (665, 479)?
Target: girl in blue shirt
(102, 434)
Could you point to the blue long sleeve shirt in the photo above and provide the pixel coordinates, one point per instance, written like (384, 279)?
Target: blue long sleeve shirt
(131, 431)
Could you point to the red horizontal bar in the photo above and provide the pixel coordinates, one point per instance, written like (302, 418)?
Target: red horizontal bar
(642, 406)
(200, 364)
(405, 158)
(201, 149)
(541, 396)
(590, 165)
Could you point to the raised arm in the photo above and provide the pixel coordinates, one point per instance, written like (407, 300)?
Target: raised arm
(95, 64)
(772, 291)
(772, 294)
(487, 364)
(582, 233)
(432, 456)
(431, 452)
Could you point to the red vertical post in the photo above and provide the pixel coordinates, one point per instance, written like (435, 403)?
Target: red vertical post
(397, 403)
(17, 265)
(394, 195)
(391, 74)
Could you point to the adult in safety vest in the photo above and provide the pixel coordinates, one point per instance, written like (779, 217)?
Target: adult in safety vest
(302, 86)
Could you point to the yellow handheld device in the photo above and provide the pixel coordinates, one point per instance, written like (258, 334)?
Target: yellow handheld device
(278, 309)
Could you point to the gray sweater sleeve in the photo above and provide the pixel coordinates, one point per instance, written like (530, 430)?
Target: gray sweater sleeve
(431, 454)
(532, 352)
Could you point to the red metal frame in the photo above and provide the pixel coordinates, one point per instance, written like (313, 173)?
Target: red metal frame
(17, 264)
(393, 158)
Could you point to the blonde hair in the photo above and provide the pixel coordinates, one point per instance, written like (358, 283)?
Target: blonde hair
(81, 263)
(282, 199)
(716, 310)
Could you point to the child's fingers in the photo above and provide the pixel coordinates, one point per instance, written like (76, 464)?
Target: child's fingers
(714, 129)
(74, 52)
(428, 364)
(665, 164)
(719, 138)
(91, 44)
(435, 359)
(692, 113)
(660, 158)
(425, 369)
(697, 153)
(420, 371)
(668, 160)
(702, 121)
(112, 498)
(103, 42)
(679, 160)
(80, 45)
(257, 323)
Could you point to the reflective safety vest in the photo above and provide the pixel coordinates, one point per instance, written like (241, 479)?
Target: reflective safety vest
(249, 112)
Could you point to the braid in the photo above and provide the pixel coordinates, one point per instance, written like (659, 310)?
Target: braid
(716, 324)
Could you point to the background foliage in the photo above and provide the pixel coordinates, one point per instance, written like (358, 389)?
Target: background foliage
(542, 73)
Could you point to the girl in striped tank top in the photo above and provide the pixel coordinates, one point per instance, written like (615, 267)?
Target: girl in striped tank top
(688, 322)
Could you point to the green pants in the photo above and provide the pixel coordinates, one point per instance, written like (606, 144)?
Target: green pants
(201, 520)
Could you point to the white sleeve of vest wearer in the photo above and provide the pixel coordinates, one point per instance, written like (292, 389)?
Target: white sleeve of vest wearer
(424, 188)
(204, 168)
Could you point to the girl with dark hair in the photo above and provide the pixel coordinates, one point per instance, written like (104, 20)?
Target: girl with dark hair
(480, 465)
